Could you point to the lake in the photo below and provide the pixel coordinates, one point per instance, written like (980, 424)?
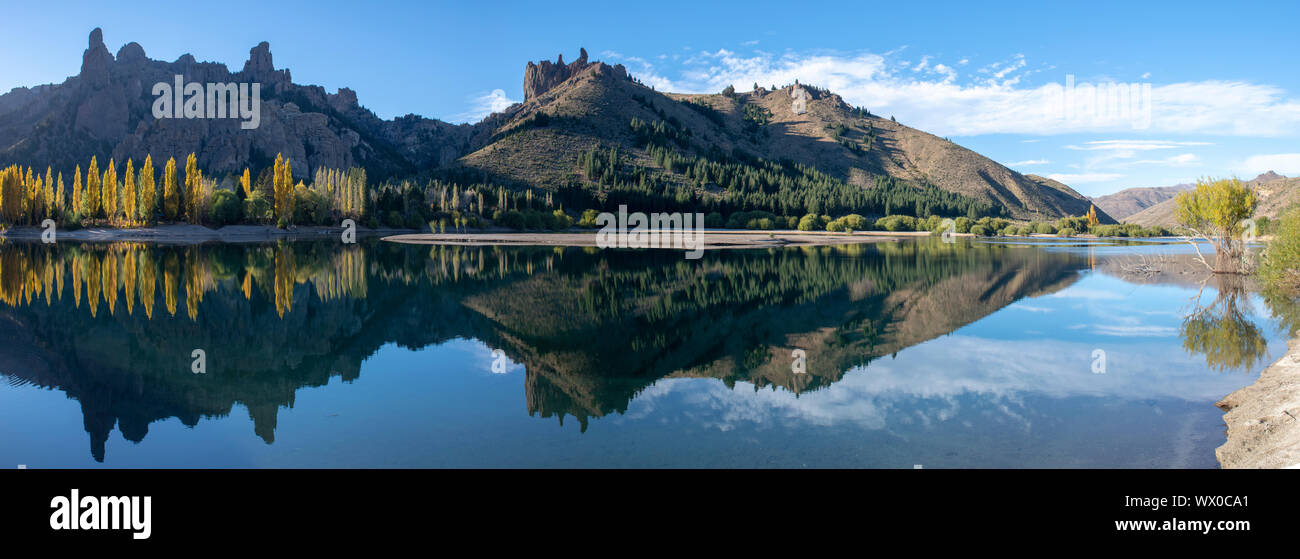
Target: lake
(972, 354)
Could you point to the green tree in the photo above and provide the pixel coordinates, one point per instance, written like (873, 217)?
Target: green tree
(1216, 211)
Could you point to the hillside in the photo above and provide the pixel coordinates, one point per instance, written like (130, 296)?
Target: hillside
(594, 106)
(1130, 201)
(787, 150)
(1275, 193)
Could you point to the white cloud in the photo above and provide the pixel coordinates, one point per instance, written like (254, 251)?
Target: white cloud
(486, 104)
(1180, 160)
(1283, 163)
(991, 100)
(1133, 145)
(1084, 178)
(1029, 162)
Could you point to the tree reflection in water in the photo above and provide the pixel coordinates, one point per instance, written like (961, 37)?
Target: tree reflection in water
(1222, 330)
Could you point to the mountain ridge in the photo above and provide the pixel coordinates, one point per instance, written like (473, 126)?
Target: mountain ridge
(1274, 194)
(583, 106)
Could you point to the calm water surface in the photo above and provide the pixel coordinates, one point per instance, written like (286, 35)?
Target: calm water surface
(944, 355)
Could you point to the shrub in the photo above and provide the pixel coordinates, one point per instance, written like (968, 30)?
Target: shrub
(1066, 232)
(1045, 229)
(393, 219)
(714, 221)
(373, 222)
(855, 222)
(963, 224)
(257, 209)
(1280, 268)
(310, 208)
(413, 221)
(534, 220)
(979, 231)
(587, 220)
(896, 223)
(808, 223)
(560, 220)
(512, 219)
(225, 208)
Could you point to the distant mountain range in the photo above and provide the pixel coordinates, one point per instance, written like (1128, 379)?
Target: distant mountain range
(569, 109)
(1274, 193)
(1130, 201)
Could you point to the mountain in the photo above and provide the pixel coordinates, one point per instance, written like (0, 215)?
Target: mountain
(1275, 194)
(806, 146)
(107, 110)
(1133, 200)
(589, 105)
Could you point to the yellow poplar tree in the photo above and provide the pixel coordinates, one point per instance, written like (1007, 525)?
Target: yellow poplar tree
(129, 194)
(192, 188)
(108, 191)
(29, 194)
(170, 203)
(289, 189)
(148, 196)
(92, 189)
(48, 195)
(246, 181)
(76, 191)
(61, 199)
(277, 185)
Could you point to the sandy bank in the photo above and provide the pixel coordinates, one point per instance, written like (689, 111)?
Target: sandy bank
(712, 239)
(194, 234)
(1264, 418)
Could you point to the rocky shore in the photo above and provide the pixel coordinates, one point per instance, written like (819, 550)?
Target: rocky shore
(1263, 419)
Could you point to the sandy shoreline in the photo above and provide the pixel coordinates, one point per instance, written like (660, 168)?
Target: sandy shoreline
(713, 239)
(1263, 419)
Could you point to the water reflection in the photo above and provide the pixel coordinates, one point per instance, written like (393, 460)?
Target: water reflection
(593, 330)
(1222, 330)
(106, 324)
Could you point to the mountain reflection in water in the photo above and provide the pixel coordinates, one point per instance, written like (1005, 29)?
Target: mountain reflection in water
(106, 323)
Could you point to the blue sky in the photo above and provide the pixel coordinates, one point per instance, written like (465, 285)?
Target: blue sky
(1224, 97)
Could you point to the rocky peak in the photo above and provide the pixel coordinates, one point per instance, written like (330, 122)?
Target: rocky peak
(131, 53)
(261, 68)
(1267, 177)
(96, 61)
(344, 100)
(541, 77)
